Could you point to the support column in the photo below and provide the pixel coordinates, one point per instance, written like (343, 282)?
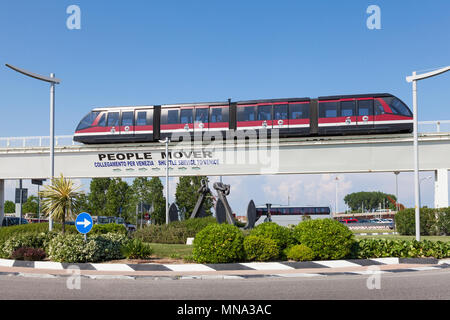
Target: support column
(441, 188)
(2, 201)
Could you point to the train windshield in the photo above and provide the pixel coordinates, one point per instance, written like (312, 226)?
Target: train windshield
(87, 120)
(398, 107)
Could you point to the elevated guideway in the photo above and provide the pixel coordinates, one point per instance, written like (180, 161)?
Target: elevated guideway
(343, 154)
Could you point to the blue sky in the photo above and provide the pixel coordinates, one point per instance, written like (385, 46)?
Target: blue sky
(154, 52)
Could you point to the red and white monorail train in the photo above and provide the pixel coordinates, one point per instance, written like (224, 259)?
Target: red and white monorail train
(293, 117)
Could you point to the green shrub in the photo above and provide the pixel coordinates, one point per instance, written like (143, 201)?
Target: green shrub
(258, 248)
(174, 232)
(218, 243)
(405, 222)
(28, 254)
(72, 248)
(328, 238)
(300, 252)
(443, 222)
(29, 240)
(108, 228)
(7, 232)
(379, 248)
(281, 235)
(136, 249)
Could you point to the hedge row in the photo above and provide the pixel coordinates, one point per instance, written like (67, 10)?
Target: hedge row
(321, 239)
(173, 233)
(432, 221)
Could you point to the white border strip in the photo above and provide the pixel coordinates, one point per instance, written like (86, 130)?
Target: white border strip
(387, 260)
(48, 265)
(6, 263)
(188, 267)
(267, 266)
(337, 263)
(111, 267)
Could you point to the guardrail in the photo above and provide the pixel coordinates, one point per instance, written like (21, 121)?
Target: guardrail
(67, 140)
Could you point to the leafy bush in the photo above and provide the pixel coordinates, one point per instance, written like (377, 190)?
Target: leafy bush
(174, 232)
(379, 248)
(72, 248)
(28, 254)
(136, 249)
(300, 252)
(218, 243)
(108, 228)
(258, 248)
(281, 235)
(29, 240)
(328, 238)
(7, 232)
(405, 221)
(443, 221)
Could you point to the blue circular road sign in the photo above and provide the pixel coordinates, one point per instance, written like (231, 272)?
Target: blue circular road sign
(84, 223)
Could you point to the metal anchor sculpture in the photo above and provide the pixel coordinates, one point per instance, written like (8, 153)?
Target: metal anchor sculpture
(198, 211)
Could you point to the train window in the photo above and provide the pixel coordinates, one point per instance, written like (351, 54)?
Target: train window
(141, 119)
(113, 119)
(298, 111)
(365, 107)
(265, 112)
(246, 113)
(187, 115)
(169, 116)
(102, 121)
(398, 107)
(127, 118)
(87, 121)
(280, 111)
(216, 115)
(347, 108)
(328, 109)
(378, 107)
(201, 115)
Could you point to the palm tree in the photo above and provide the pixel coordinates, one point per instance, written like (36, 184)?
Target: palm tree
(60, 200)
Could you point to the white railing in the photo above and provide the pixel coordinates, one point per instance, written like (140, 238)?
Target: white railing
(67, 140)
(437, 124)
(35, 141)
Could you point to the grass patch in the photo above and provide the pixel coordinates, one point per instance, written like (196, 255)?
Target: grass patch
(163, 250)
(398, 237)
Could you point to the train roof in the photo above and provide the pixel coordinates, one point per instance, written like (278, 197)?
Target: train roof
(241, 102)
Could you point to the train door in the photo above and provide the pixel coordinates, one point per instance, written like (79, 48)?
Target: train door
(299, 118)
(143, 129)
(127, 124)
(218, 119)
(113, 123)
(328, 117)
(246, 117)
(187, 119)
(201, 122)
(265, 116)
(281, 118)
(365, 118)
(348, 117)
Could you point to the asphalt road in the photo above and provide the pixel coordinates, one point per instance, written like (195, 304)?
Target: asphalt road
(433, 284)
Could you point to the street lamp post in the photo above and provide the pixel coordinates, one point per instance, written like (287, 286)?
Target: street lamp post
(414, 78)
(396, 190)
(166, 141)
(420, 189)
(336, 200)
(52, 80)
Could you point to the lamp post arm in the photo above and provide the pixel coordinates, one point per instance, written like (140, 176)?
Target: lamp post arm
(34, 75)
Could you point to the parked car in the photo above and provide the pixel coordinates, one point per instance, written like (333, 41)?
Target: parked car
(12, 221)
(350, 220)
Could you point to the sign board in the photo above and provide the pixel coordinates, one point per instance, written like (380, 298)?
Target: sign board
(84, 223)
(37, 181)
(24, 195)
